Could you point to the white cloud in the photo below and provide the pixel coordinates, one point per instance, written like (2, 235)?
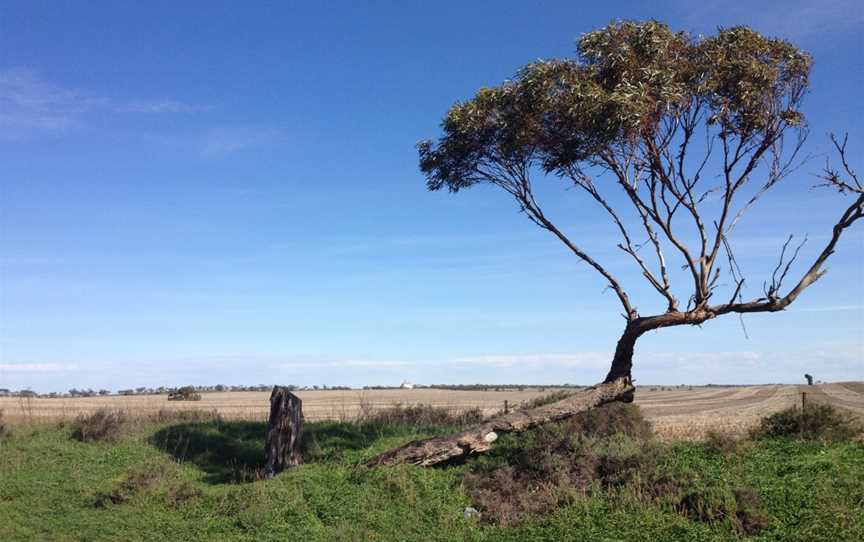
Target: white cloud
(220, 142)
(31, 105)
(579, 359)
(784, 18)
(827, 308)
(165, 106)
(37, 367)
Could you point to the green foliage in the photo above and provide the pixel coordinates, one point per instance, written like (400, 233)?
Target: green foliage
(815, 422)
(141, 487)
(627, 81)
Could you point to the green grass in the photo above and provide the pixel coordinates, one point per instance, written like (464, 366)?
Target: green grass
(197, 481)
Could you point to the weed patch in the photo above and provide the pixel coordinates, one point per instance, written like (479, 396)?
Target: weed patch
(141, 479)
(423, 416)
(101, 425)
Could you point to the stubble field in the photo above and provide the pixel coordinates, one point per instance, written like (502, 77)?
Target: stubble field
(675, 412)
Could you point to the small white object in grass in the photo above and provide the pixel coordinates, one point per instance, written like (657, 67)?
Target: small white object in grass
(470, 512)
(492, 436)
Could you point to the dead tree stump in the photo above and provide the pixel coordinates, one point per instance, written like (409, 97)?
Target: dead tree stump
(284, 432)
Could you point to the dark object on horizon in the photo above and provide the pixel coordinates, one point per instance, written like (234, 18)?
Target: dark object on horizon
(186, 393)
(809, 379)
(284, 431)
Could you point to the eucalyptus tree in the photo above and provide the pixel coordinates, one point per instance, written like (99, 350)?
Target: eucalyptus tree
(675, 138)
(691, 132)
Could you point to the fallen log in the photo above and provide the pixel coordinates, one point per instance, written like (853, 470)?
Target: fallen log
(284, 431)
(479, 439)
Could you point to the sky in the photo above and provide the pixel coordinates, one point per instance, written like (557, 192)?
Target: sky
(225, 192)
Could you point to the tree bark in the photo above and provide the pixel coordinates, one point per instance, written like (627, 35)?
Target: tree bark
(479, 439)
(622, 362)
(284, 431)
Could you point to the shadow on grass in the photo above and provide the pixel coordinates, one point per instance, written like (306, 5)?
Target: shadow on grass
(233, 451)
(226, 451)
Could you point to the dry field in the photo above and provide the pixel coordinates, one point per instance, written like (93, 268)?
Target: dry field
(676, 412)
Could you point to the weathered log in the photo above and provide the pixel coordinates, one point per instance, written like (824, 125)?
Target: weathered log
(479, 439)
(284, 431)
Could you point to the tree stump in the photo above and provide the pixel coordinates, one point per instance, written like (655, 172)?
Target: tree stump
(284, 432)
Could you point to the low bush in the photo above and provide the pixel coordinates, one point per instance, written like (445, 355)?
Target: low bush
(4, 431)
(815, 422)
(608, 452)
(101, 425)
(532, 472)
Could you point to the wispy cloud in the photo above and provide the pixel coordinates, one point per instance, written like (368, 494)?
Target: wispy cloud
(30, 105)
(829, 308)
(165, 106)
(220, 142)
(37, 367)
(785, 18)
(578, 359)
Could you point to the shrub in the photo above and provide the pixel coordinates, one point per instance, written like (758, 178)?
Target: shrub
(741, 508)
(816, 422)
(607, 450)
(101, 425)
(186, 393)
(4, 431)
(532, 472)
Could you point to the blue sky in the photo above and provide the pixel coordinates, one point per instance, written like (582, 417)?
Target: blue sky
(217, 192)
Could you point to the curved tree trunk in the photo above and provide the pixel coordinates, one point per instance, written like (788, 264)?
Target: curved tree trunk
(478, 439)
(622, 362)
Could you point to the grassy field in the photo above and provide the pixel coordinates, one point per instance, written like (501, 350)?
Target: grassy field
(676, 412)
(199, 479)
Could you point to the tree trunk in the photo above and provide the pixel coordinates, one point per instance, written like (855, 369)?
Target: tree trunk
(282, 446)
(479, 438)
(622, 362)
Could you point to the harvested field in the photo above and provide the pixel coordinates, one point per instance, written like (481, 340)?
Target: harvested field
(676, 412)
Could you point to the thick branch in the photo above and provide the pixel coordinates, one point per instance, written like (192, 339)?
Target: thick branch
(853, 213)
(479, 439)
